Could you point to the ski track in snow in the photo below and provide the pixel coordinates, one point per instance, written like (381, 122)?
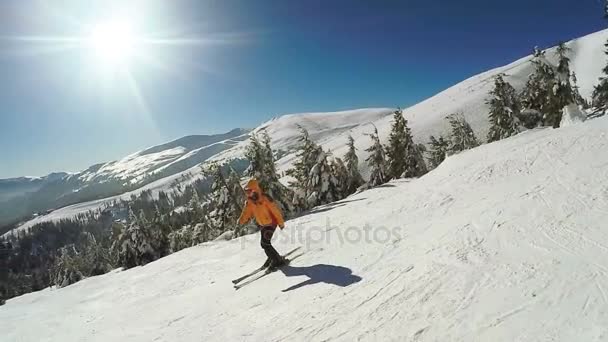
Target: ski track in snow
(506, 242)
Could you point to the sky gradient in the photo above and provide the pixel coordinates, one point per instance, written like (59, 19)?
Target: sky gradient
(236, 63)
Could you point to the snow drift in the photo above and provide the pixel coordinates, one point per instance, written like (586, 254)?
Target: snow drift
(505, 242)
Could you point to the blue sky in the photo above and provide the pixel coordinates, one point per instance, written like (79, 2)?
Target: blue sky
(63, 110)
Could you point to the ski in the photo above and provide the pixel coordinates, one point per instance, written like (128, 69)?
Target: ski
(267, 272)
(254, 272)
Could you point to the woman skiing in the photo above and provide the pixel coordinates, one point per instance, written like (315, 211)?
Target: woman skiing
(267, 216)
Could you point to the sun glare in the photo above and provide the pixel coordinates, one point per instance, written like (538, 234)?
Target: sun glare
(113, 42)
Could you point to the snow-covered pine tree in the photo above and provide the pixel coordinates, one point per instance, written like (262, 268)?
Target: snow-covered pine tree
(578, 98)
(539, 97)
(180, 239)
(160, 231)
(376, 161)
(262, 167)
(438, 152)
(600, 92)
(226, 201)
(307, 154)
(194, 208)
(564, 95)
(416, 164)
(67, 269)
(202, 232)
(269, 179)
(504, 110)
(537, 52)
(463, 137)
(563, 61)
(323, 186)
(134, 244)
(354, 179)
(341, 173)
(397, 147)
(257, 157)
(95, 257)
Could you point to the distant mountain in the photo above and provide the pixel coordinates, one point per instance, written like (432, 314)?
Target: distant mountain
(23, 196)
(14, 187)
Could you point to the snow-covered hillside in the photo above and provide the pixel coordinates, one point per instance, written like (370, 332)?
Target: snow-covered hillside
(23, 196)
(323, 127)
(428, 117)
(505, 242)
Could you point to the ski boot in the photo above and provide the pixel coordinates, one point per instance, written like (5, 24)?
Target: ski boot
(276, 264)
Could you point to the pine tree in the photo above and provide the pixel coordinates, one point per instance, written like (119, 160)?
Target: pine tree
(133, 244)
(180, 239)
(564, 93)
(270, 182)
(354, 179)
(307, 154)
(504, 110)
(463, 137)
(194, 207)
(397, 148)
(600, 92)
(226, 201)
(323, 187)
(257, 157)
(96, 259)
(202, 232)
(540, 95)
(160, 231)
(578, 98)
(341, 173)
(376, 161)
(536, 52)
(416, 165)
(563, 64)
(67, 267)
(262, 167)
(403, 155)
(438, 152)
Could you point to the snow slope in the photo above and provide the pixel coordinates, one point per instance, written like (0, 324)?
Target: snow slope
(506, 242)
(428, 117)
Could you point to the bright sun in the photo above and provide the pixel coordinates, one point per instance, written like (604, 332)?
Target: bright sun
(113, 42)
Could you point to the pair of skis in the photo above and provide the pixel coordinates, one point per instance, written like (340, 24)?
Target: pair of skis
(263, 271)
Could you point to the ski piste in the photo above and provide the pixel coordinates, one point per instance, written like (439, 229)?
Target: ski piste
(238, 280)
(265, 273)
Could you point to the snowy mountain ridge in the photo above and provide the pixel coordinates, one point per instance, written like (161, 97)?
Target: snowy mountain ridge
(426, 118)
(23, 196)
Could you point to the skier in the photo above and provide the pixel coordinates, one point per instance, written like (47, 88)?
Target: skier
(267, 216)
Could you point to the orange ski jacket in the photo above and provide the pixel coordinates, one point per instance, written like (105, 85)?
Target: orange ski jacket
(265, 212)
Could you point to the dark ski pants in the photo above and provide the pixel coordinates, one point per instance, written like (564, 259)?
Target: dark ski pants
(265, 242)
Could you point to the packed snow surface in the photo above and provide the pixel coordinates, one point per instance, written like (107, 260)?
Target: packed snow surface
(506, 242)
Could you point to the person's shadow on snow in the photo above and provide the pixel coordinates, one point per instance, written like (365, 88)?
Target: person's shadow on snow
(321, 273)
